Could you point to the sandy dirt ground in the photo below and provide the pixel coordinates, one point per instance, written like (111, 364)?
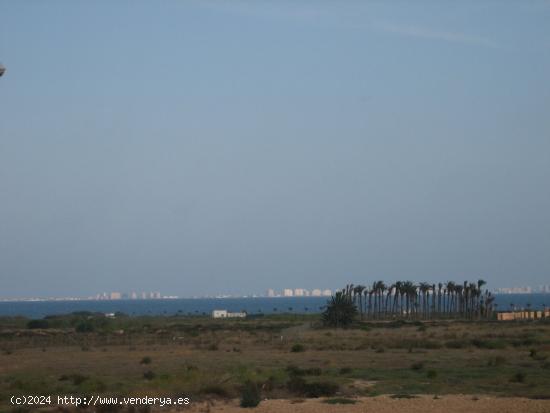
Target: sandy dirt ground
(385, 404)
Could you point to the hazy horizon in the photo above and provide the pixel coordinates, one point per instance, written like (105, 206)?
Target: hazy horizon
(209, 147)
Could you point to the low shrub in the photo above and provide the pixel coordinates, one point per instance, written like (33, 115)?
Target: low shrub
(431, 374)
(497, 361)
(145, 360)
(297, 371)
(518, 377)
(84, 327)
(33, 324)
(297, 348)
(299, 386)
(457, 344)
(489, 344)
(78, 379)
(340, 400)
(149, 375)
(215, 389)
(320, 389)
(250, 396)
(417, 366)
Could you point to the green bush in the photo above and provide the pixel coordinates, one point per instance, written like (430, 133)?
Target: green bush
(33, 324)
(320, 389)
(431, 374)
(457, 344)
(84, 327)
(297, 371)
(299, 386)
(298, 348)
(216, 390)
(518, 377)
(417, 366)
(497, 361)
(78, 379)
(149, 375)
(340, 400)
(489, 344)
(146, 360)
(250, 396)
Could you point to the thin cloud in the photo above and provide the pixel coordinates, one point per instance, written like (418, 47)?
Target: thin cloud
(340, 18)
(421, 32)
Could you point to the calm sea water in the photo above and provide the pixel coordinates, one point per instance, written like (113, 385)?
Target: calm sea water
(186, 306)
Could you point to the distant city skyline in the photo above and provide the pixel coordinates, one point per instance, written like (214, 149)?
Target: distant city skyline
(269, 293)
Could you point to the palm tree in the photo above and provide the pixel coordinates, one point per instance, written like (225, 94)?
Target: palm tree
(380, 287)
(422, 301)
(439, 286)
(424, 288)
(371, 293)
(341, 310)
(358, 292)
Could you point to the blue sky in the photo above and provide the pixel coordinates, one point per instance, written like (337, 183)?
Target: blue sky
(200, 147)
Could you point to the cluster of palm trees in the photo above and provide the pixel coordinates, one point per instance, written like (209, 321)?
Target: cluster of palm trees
(405, 299)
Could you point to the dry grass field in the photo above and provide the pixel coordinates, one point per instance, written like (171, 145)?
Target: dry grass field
(285, 357)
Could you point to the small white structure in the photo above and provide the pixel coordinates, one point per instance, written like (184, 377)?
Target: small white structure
(227, 314)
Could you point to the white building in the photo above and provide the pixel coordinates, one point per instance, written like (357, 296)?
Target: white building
(316, 293)
(287, 292)
(271, 293)
(299, 292)
(327, 293)
(227, 314)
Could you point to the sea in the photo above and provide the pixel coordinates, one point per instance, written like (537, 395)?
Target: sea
(204, 306)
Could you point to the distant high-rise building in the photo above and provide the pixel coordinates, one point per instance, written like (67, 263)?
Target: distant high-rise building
(299, 292)
(270, 292)
(287, 292)
(115, 296)
(327, 293)
(144, 296)
(133, 296)
(316, 293)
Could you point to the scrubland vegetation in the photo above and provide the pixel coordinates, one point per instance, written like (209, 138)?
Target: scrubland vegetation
(279, 356)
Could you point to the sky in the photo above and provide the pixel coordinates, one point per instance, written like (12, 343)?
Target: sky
(205, 147)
